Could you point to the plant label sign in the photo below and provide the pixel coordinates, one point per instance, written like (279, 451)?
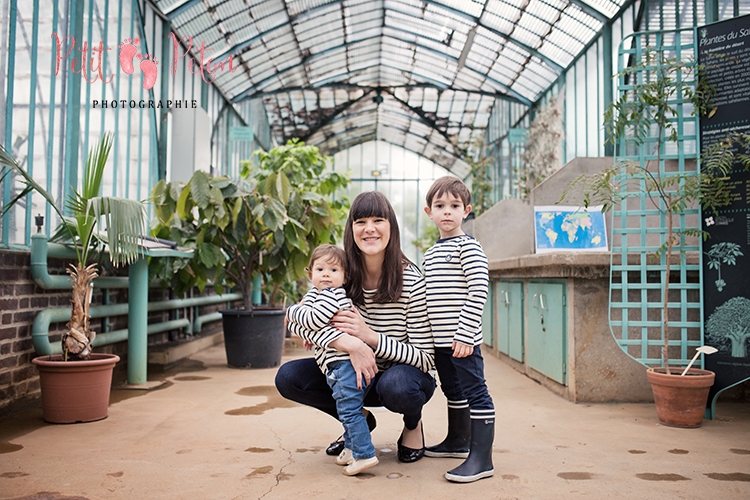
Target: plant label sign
(724, 53)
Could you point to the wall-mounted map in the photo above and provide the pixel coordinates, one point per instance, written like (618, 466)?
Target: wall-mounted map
(569, 229)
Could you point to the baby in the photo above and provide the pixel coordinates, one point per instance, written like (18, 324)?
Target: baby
(328, 275)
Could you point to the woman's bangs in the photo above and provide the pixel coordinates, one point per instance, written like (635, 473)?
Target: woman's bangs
(370, 204)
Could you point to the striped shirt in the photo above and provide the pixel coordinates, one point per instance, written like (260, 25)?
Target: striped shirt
(318, 307)
(403, 328)
(314, 313)
(457, 276)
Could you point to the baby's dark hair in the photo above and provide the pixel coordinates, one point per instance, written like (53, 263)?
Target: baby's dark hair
(451, 185)
(328, 252)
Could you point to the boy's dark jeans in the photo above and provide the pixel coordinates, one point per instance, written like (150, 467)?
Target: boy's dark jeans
(463, 378)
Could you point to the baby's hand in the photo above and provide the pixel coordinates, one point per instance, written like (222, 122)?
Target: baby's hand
(308, 345)
(461, 350)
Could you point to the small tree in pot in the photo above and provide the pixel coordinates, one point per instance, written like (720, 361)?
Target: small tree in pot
(265, 223)
(125, 221)
(643, 116)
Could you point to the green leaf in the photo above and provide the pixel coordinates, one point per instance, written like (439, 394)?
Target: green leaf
(200, 189)
(184, 205)
(236, 207)
(292, 238)
(283, 188)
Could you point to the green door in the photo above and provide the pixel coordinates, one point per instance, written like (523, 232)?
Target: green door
(547, 330)
(510, 319)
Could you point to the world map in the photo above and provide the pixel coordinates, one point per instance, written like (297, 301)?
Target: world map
(569, 228)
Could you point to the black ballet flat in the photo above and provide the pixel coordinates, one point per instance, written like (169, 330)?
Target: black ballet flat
(334, 449)
(408, 455)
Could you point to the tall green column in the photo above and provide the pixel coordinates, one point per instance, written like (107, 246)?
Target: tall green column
(138, 321)
(607, 86)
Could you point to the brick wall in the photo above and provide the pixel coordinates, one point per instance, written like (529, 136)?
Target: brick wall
(21, 299)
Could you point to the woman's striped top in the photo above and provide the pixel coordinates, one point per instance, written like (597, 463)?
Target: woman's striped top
(457, 275)
(403, 328)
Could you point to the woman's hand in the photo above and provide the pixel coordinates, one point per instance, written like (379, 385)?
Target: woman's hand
(361, 357)
(352, 323)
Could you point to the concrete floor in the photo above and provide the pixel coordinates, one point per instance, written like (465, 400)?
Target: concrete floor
(213, 432)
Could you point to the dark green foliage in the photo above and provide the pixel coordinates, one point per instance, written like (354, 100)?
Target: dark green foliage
(266, 222)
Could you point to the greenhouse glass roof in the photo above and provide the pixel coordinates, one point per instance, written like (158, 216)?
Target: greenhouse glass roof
(422, 74)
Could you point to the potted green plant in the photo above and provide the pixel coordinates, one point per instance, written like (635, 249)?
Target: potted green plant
(643, 116)
(266, 223)
(75, 385)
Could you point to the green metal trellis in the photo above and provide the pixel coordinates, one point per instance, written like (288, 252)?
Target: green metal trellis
(639, 230)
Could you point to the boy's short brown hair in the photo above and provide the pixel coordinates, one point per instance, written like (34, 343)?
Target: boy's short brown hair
(328, 252)
(451, 185)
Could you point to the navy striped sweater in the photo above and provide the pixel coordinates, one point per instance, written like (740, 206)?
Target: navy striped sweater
(457, 275)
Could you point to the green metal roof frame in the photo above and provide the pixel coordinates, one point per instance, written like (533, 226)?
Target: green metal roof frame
(325, 68)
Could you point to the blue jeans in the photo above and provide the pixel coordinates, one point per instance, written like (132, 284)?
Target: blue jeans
(463, 379)
(342, 379)
(401, 388)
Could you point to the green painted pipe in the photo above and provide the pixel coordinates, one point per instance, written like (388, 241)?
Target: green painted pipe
(198, 323)
(122, 335)
(137, 285)
(41, 249)
(42, 321)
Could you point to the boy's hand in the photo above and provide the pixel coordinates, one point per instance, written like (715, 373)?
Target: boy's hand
(307, 345)
(461, 350)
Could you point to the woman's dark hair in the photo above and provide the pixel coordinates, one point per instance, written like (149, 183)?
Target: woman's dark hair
(374, 204)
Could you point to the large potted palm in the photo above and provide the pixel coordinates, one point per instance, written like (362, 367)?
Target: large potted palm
(263, 224)
(75, 385)
(643, 115)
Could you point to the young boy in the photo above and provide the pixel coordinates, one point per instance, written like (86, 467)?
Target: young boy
(328, 274)
(457, 277)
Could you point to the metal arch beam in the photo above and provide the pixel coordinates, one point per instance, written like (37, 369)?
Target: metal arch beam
(513, 97)
(389, 113)
(413, 150)
(248, 93)
(333, 116)
(510, 39)
(182, 8)
(435, 84)
(376, 122)
(238, 48)
(352, 86)
(588, 9)
(242, 46)
(420, 119)
(421, 153)
(423, 118)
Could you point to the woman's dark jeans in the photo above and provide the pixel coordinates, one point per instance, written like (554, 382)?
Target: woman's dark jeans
(401, 388)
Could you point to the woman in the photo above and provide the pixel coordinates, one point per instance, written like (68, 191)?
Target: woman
(387, 334)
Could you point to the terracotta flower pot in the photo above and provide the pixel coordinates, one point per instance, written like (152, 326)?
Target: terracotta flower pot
(75, 391)
(680, 401)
